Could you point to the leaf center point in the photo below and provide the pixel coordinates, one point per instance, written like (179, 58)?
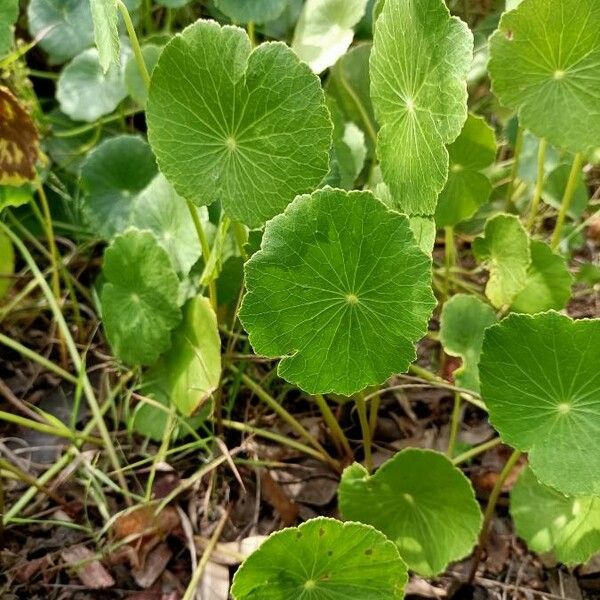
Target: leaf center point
(310, 584)
(351, 299)
(564, 407)
(231, 143)
(559, 74)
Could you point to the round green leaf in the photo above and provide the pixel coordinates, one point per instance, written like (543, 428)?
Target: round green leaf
(325, 30)
(423, 229)
(7, 264)
(85, 92)
(548, 283)
(340, 289)
(540, 381)
(9, 13)
(190, 371)
(419, 64)
(544, 64)
(136, 87)
(151, 420)
(550, 521)
(158, 208)
(467, 189)
(66, 26)
(111, 177)
(258, 11)
(463, 322)
(420, 501)
(139, 298)
(322, 559)
(247, 127)
(504, 248)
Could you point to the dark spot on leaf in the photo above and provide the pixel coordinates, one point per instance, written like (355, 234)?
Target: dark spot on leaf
(369, 551)
(329, 552)
(509, 35)
(298, 535)
(321, 532)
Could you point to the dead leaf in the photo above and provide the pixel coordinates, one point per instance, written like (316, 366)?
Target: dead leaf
(155, 563)
(144, 530)
(215, 582)
(278, 499)
(19, 142)
(88, 569)
(233, 553)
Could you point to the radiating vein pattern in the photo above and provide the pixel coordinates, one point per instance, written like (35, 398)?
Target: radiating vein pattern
(419, 64)
(541, 382)
(248, 128)
(545, 63)
(340, 289)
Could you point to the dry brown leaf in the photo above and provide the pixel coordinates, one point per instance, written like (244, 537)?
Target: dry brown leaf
(88, 569)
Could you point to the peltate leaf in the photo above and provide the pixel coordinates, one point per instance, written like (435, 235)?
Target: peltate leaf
(544, 64)
(247, 127)
(433, 519)
(548, 283)
(463, 322)
(320, 560)
(540, 381)
(139, 298)
(113, 174)
(325, 31)
(340, 289)
(419, 63)
(85, 92)
(467, 189)
(65, 26)
(550, 521)
(504, 248)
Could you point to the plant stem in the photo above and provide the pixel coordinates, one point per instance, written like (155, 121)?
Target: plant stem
(454, 424)
(567, 199)
(489, 511)
(75, 131)
(190, 592)
(74, 354)
(449, 256)
(38, 358)
(361, 408)
(539, 184)
(251, 33)
(53, 252)
(275, 437)
(426, 375)
(47, 428)
(473, 452)
(135, 44)
(282, 413)
(337, 433)
(373, 413)
(515, 168)
(204, 245)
